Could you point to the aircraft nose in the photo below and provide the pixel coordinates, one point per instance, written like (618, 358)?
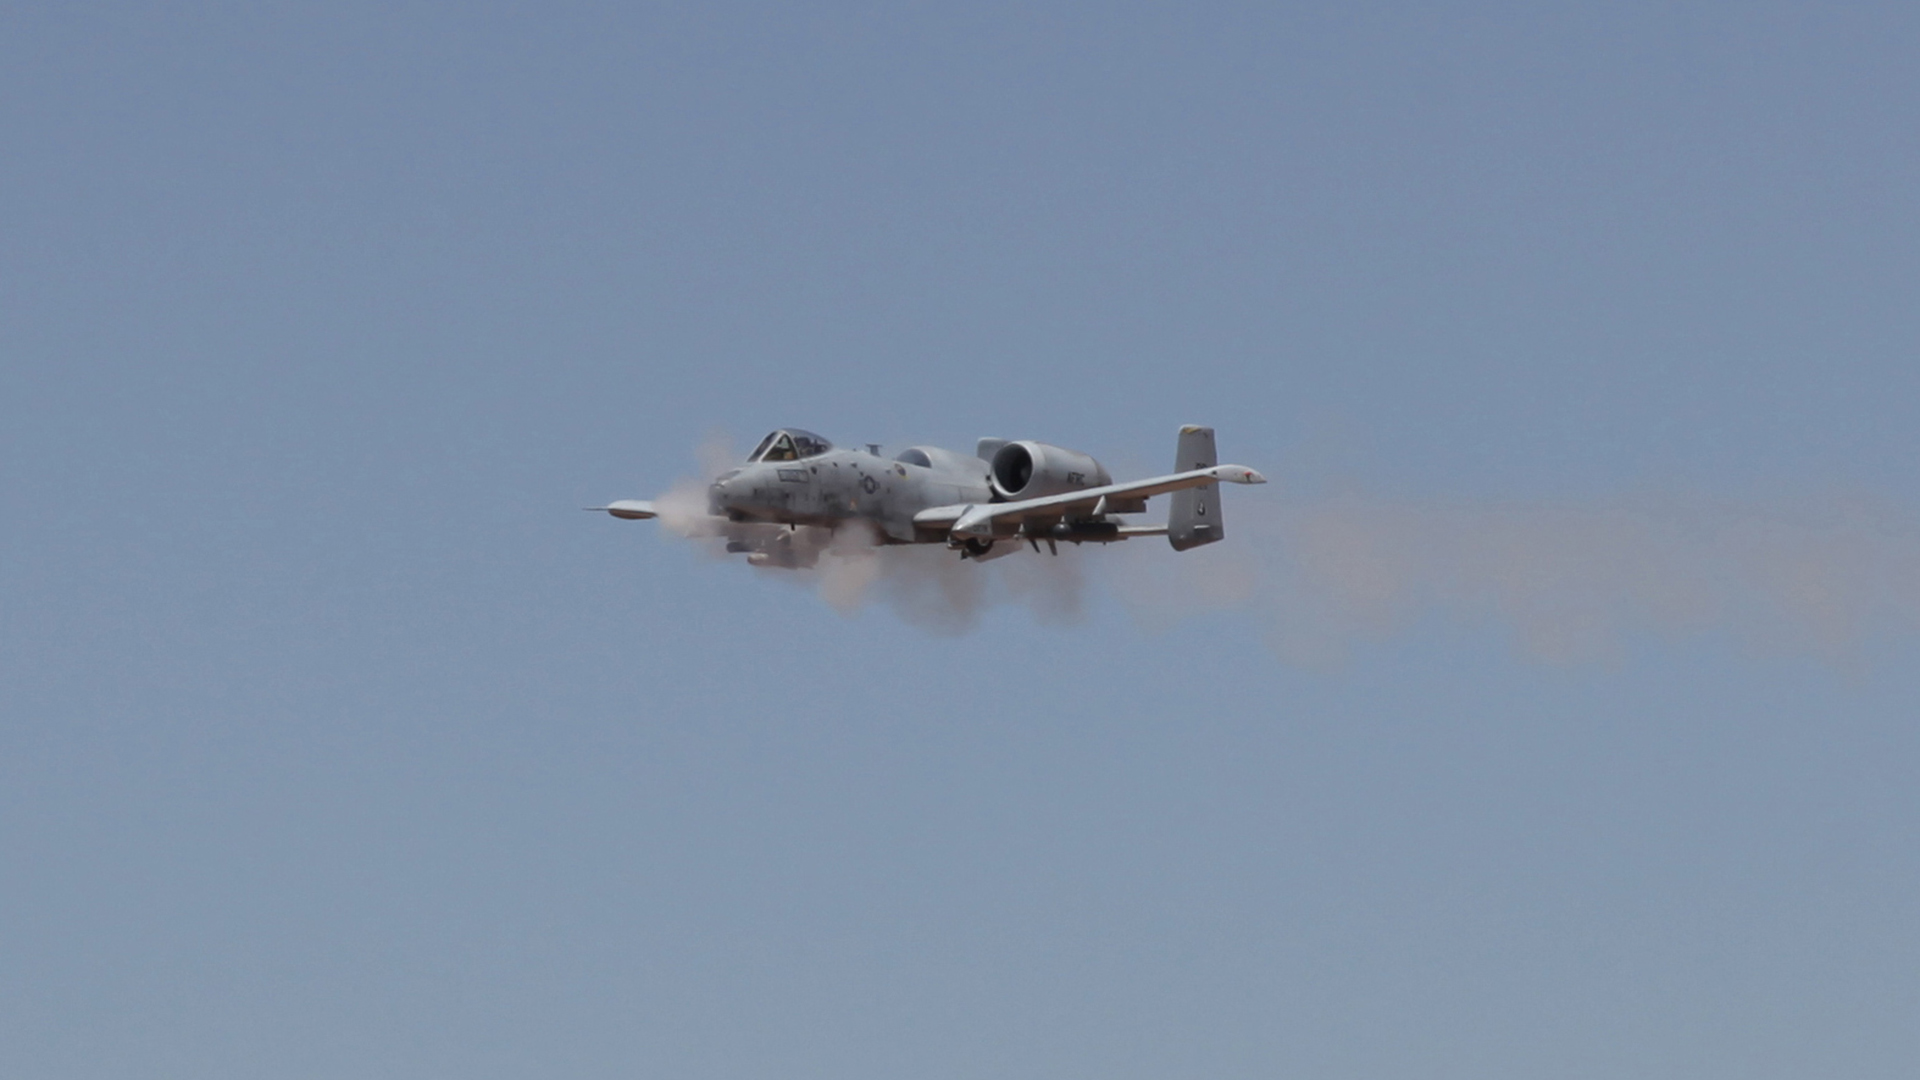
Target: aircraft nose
(719, 492)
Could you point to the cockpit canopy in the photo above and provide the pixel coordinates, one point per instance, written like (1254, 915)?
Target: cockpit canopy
(789, 444)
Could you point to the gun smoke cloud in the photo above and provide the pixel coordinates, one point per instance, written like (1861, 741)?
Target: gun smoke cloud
(1569, 582)
(929, 586)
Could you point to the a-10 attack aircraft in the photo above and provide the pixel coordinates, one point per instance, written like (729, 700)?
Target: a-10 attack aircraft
(797, 495)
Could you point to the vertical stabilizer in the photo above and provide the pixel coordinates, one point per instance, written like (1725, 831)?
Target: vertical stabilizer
(1193, 514)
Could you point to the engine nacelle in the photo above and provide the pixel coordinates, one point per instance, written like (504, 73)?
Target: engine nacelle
(1032, 470)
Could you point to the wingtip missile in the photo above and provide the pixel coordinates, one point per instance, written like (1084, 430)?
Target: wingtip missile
(1237, 474)
(628, 509)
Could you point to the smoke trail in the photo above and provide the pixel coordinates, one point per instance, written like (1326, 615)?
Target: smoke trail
(1571, 582)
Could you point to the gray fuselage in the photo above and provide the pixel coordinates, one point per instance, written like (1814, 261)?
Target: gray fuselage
(831, 488)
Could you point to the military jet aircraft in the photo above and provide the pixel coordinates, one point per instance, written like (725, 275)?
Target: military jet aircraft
(797, 495)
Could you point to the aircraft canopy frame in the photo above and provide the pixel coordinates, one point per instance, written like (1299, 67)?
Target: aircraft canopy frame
(789, 444)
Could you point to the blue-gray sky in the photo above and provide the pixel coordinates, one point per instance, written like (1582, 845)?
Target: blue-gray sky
(335, 741)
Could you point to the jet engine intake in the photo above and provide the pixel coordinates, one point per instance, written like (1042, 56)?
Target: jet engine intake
(1033, 470)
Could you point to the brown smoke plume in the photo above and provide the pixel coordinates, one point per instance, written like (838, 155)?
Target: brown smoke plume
(1572, 582)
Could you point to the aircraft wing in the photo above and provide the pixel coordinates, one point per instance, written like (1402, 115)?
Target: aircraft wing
(979, 519)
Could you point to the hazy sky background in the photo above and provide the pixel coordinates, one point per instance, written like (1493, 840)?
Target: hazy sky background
(336, 742)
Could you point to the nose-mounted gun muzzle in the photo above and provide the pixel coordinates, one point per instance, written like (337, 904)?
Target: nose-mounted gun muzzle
(720, 493)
